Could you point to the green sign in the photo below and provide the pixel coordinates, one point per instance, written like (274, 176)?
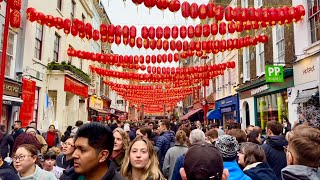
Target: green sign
(274, 73)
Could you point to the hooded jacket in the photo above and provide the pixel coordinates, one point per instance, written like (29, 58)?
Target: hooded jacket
(235, 173)
(260, 170)
(299, 172)
(164, 143)
(110, 175)
(275, 154)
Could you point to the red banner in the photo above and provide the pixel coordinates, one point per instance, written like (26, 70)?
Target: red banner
(28, 97)
(75, 87)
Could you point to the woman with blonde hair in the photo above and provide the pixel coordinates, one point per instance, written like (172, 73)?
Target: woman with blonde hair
(173, 153)
(121, 143)
(140, 161)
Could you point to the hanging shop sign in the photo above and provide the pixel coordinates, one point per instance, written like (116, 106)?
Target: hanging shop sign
(28, 97)
(11, 89)
(96, 102)
(274, 73)
(75, 87)
(260, 89)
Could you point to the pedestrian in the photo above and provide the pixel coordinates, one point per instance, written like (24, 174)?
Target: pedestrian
(140, 161)
(33, 124)
(165, 140)
(66, 134)
(49, 164)
(65, 159)
(26, 162)
(173, 153)
(75, 129)
(302, 154)
(121, 143)
(228, 146)
(239, 134)
(253, 137)
(253, 159)
(42, 141)
(94, 144)
(6, 142)
(286, 125)
(17, 129)
(212, 136)
(196, 135)
(273, 147)
(51, 137)
(203, 161)
(7, 172)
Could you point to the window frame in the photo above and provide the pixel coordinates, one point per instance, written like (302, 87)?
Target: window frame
(36, 105)
(246, 64)
(12, 55)
(40, 41)
(59, 5)
(280, 44)
(260, 56)
(314, 21)
(56, 49)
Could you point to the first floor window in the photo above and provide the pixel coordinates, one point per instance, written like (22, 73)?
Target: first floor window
(10, 53)
(56, 47)
(246, 64)
(38, 44)
(314, 9)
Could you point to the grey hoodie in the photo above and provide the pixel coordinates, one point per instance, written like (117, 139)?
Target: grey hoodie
(299, 172)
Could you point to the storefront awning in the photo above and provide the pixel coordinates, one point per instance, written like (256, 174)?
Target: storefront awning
(12, 101)
(214, 114)
(190, 113)
(305, 95)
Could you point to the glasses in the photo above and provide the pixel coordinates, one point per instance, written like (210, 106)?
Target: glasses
(20, 157)
(67, 144)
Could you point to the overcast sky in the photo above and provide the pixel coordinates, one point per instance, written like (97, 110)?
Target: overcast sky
(130, 14)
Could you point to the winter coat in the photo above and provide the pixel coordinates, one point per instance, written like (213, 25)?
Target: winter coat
(170, 159)
(17, 133)
(299, 172)
(235, 173)
(260, 170)
(6, 145)
(117, 161)
(178, 165)
(39, 174)
(163, 143)
(56, 138)
(275, 154)
(110, 175)
(7, 172)
(63, 163)
(43, 142)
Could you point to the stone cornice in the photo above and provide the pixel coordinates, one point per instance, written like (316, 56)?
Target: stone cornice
(87, 8)
(101, 11)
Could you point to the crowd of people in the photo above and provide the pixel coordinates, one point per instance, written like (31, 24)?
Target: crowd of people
(158, 150)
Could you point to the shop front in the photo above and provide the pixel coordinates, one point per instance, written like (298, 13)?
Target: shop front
(11, 102)
(271, 101)
(229, 111)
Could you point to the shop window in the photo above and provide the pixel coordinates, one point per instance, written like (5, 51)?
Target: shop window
(314, 9)
(280, 44)
(56, 47)
(11, 50)
(271, 107)
(38, 44)
(260, 59)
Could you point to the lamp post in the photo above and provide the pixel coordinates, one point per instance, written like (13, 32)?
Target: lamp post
(4, 52)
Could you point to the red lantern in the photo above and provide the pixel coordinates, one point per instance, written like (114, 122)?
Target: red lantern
(229, 13)
(179, 45)
(237, 14)
(153, 59)
(204, 45)
(58, 22)
(239, 27)
(258, 14)
(198, 46)
(198, 30)
(300, 11)
(88, 30)
(31, 14)
(162, 4)
(159, 32)
(41, 18)
(192, 45)
(103, 30)
(214, 28)
(199, 53)
(74, 31)
(159, 44)
(190, 31)
(141, 59)
(164, 58)
(139, 42)
(144, 32)
(176, 57)
(49, 21)
(185, 9)
(185, 45)
(15, 18)
(15, 4)
(170, 58)
(183, 32)
(265, 15)
(194, 10)
(96, 35)
(211, 10)
(111, 30)
(111, 39)
(149, 69)
(174, 32)
(166, 33)
(125, 41)
(202, 11)
(244, 14)
(125, 31)
(152, 32)
(174, 5)
(165, 45)
(118, 31)
(153, 44)
(133, 31)
(219, 13)
(117, 40)
(222, 28)
(206, 30)
(146, 43)
(159, 58)
(231, 27)
(148, 59)
(150, 3)
(132, 42)
(248, 26)
(251, 14)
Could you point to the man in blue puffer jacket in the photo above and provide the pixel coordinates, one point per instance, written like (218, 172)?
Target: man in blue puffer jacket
(165, 140)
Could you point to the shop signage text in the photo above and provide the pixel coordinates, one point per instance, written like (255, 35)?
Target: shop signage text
(75, 87)
(11, 89)
(260, 89)
(309, 70)
(274, 73)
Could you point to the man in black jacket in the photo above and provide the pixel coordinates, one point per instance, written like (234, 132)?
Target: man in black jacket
(273, 147)
(94, 144)
(17, 129)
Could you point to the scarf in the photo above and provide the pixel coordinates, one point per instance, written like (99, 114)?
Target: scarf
(51, 138)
